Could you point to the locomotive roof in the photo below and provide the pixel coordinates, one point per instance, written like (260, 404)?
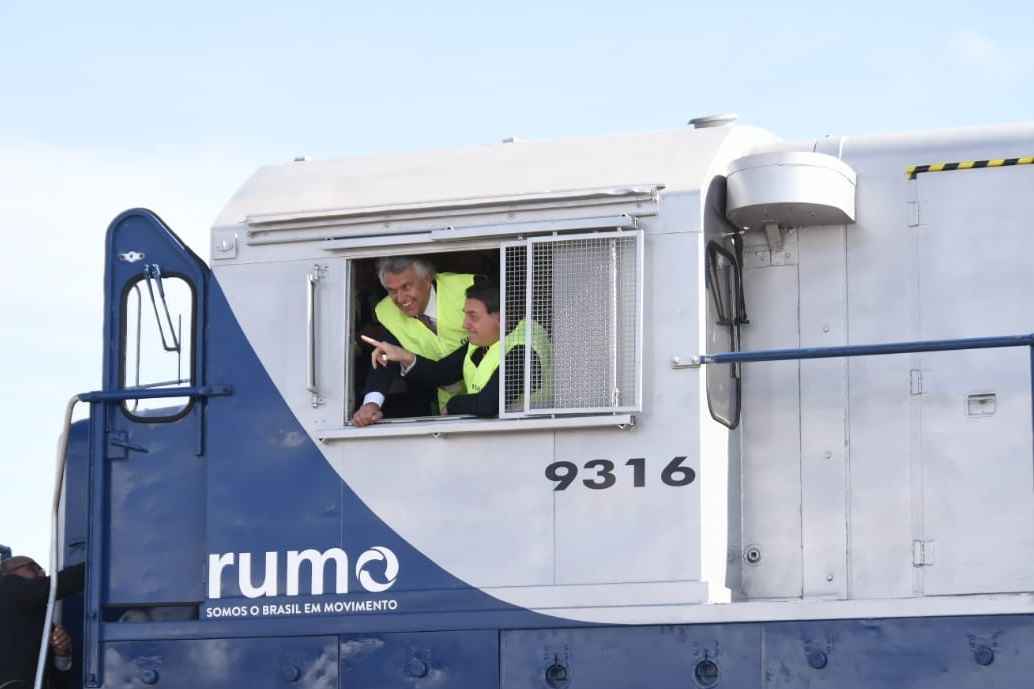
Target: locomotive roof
(677, 159)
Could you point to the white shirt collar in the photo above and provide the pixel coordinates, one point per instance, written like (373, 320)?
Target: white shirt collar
(432, 305)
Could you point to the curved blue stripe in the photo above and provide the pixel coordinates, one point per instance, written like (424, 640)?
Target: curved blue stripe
(271, 489)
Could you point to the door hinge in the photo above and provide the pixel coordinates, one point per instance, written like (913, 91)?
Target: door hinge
(913, 214)
(922, 553)
(915, 381)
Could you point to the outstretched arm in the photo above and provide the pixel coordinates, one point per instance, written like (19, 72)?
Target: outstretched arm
(379, 382)
(438, 373)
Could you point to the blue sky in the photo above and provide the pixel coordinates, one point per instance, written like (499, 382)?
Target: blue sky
(105, 106)
(335, 78)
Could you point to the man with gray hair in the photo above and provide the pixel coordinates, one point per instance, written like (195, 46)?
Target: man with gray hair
(423, 313)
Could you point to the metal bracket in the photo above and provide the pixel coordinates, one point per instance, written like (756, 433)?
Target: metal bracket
(677, 362)
(922, 553)
(915, 381)
(121, 439)
(913, 213)
(774, 234)
(224, 246)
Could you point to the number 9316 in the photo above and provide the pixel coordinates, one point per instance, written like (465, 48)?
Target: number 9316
(601, 473)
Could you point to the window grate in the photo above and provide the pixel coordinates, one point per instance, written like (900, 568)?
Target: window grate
(582, 342)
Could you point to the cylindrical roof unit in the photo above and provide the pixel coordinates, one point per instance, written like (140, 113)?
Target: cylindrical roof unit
(790, 189)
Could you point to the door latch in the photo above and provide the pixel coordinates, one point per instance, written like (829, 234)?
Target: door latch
(121, 439)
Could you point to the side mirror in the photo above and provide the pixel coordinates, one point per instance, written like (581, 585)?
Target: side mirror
(726, 311)
(725, 283)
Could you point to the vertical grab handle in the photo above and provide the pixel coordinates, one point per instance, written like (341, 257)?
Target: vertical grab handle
(311, 304)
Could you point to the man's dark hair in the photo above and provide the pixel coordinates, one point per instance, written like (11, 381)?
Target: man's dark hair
(486, 291)
(17, 562)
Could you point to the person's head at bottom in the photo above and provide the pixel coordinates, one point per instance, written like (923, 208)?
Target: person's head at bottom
(59, 639)
(21, 566)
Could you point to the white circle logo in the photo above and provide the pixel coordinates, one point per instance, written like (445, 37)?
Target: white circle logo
(391, 569)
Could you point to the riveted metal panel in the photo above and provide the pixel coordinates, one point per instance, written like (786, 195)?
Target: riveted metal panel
(823, 314)
(294, 663)
(880, 278)
(932, 653)
(443, 660)
(770, 428)
(659, 657)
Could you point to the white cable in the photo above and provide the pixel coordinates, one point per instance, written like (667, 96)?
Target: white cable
(62, 452)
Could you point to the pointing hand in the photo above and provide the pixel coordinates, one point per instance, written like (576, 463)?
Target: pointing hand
(384, 352)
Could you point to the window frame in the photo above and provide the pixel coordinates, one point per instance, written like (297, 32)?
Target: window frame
(530, 243)
(446, 426)
(123, 358)
(619, 416)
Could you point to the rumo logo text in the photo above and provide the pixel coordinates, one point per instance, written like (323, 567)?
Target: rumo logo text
(316, 565)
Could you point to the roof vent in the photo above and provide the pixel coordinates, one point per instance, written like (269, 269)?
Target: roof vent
(707, 121)
(791, 189)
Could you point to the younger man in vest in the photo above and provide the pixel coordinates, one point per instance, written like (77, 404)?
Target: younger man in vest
(476, 363)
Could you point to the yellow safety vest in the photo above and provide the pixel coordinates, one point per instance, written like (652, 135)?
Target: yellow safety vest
(476, 377)
(450, 293)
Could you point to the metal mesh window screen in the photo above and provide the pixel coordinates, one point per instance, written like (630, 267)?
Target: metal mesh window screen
(583, 295)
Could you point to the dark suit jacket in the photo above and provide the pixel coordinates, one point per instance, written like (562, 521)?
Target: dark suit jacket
(23, 605)
(450, 369)
(418, 400)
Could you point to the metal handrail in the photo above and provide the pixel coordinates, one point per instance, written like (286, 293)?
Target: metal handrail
(155, 393)
(848, 351)
(867, 350)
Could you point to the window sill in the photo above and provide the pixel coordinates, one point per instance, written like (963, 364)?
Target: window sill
(446, 427)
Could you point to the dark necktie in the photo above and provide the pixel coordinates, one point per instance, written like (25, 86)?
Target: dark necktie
(478, 355)
(429, 322)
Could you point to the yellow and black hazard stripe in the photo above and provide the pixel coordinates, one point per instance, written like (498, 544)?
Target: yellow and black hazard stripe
(912, 171)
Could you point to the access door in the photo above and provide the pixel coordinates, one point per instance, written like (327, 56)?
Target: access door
(977, 534)
(149, 464)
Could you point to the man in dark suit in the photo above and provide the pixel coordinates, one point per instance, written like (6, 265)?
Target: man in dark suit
(24, 589)
(423, 312)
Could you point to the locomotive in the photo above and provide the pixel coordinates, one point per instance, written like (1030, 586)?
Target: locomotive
(788, 441)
